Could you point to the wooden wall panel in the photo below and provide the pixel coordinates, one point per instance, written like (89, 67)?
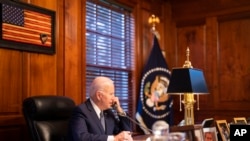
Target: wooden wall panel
(192, 9)
(147, 38)
(233, 64)
(224, 57)
(11, 80)
(74, 42)
(192, 37)
(42, 74)
(210, 70)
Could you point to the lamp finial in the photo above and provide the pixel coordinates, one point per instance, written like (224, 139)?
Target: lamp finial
(187, 63)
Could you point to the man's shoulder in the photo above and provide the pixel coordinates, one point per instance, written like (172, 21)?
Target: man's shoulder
(84, 106)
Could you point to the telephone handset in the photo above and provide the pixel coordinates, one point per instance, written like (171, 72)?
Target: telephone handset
(114, 106)
(117, 119)
(114, 111)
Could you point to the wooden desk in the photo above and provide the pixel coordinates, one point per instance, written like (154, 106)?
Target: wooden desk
(149, 137)
(188, 130)
(140, 137)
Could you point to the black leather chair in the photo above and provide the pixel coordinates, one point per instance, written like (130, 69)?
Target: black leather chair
(47, 117)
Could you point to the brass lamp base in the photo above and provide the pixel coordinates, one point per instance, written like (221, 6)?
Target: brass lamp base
(188, 102)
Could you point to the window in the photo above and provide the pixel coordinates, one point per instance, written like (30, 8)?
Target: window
(110, 50)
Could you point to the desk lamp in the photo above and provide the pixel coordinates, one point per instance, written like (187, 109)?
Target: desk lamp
(187, 81)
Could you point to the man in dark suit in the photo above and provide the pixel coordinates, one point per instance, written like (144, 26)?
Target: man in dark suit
(86, 121)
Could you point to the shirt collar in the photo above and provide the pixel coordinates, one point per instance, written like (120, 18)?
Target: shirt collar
(96, 108)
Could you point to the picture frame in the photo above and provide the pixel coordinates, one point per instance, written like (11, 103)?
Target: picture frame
(248, 120)
(208, 122)
(198, 132)
(26, 27)
(210, 134)
(223, 128)
(240, 120)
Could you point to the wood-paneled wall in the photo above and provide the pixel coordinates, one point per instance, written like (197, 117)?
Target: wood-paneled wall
(216, 33)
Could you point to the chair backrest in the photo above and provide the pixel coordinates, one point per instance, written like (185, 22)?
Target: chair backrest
(47, 117)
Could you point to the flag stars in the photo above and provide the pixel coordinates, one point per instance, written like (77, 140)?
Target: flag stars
(12, 15)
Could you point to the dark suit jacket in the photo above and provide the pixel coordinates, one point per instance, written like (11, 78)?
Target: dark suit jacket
(85, 125)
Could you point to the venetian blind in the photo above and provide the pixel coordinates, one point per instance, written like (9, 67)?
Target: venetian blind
(110, 51)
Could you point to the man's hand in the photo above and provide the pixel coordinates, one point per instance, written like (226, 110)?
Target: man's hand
(124, 136)
(118, 106)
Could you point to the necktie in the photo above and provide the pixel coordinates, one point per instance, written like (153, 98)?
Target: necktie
(102, 120)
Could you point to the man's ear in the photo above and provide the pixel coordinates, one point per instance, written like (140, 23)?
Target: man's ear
(98, 95)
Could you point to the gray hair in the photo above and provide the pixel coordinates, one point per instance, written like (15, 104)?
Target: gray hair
(99, 84)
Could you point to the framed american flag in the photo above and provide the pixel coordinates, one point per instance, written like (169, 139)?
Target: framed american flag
(26, 27)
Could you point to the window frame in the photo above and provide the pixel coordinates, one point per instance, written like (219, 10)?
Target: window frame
(131, 97)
